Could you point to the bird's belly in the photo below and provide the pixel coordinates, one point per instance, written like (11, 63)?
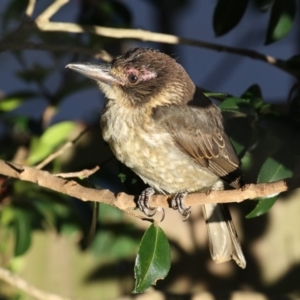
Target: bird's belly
(157, 160)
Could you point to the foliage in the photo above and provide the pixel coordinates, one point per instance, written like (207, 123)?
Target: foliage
(254, 126)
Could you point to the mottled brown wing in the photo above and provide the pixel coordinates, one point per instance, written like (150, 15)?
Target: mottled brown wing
(199, 133)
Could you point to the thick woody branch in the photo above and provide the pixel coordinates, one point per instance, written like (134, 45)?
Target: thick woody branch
(124, 201)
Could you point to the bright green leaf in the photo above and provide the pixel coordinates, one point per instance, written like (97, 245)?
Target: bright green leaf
(262, 207)
(237, 104)
(50, 140)
(271, 170)
(9, 104)
(12, 101)
(281, 20)
(153, 260)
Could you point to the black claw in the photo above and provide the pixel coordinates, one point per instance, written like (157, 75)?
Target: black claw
(162, 215)
(177, 202)
(143, 202)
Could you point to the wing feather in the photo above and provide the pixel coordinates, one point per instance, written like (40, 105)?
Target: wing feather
(199, 133)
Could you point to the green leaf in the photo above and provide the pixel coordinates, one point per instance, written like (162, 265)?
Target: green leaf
(12, 101)
(9, 104)
(228, 14)
(122, 177)
(237, 104)
(153, 260)
(216, 95)
(22, 228)
(253, 96)
(262, 207)
(272, 170)
(281, 20)
(50, 140)
(252, 91)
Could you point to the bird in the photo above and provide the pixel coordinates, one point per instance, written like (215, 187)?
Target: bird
(160, 125)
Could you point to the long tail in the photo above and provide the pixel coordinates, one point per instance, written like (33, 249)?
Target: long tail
(223, 240)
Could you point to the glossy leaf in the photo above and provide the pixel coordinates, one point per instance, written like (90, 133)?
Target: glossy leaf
(227, 15)
(253, 96)
(253, 91)
(50, 140)
(22, 228)
(153, 260)
(238, 105)
(271, 170)
(281, 20)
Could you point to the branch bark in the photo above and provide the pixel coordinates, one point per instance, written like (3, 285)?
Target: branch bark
(124, 201)
(42, 23)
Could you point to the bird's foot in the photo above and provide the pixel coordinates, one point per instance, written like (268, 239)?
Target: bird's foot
(177, 202)
(143, 202)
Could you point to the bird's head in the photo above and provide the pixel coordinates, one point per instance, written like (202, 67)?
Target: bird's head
(141, 77)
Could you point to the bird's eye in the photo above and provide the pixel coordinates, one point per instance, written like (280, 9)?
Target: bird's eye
(132, 78)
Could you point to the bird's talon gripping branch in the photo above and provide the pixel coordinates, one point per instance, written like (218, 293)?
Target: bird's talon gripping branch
(177, 202)
(143, 202)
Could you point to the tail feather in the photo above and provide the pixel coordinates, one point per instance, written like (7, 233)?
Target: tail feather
(223, 240)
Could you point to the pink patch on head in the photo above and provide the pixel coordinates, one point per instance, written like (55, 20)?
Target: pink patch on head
(147, 75)
(143, 74)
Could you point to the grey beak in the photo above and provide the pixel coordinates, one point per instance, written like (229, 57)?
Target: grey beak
(97, 72)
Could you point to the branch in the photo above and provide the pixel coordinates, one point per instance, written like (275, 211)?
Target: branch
(30, 8)
(23, 285)
(51, 10)
(61, 150)
(80, 174)
(42, 23)
(145, 35)
(124, 201)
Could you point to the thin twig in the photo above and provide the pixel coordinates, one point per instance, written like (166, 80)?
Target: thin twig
(51, 10)
(30, 8)
(80, 174)
(42, 22)
(29, 289)
(145, 35)
(60, 151)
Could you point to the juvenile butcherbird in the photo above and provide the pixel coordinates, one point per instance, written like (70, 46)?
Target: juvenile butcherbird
(161, 126)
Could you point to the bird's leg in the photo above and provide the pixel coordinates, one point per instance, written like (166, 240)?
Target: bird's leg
(143, 202)
(177, 202)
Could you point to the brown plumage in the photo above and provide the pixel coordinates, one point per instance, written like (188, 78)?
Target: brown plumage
(162, 127)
